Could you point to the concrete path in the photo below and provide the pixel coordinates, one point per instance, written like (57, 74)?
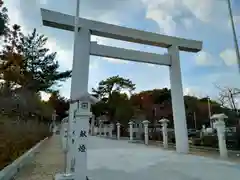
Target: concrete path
(122, 160)
(48, 161)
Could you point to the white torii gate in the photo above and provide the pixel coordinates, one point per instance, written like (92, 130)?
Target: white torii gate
(84, 48)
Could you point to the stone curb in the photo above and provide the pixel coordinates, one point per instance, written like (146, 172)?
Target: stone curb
(12, 169)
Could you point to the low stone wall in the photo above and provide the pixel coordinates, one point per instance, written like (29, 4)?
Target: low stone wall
(123, 138)
(11, 170)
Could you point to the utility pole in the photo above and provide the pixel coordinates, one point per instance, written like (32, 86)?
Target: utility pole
(54, 121)
(234, 33)
(209, 108)
(195, 120)
(209, 111)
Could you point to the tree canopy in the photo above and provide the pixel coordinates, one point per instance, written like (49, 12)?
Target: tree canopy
(28, 63)
(27, 68)
(110, 91)
(3, 19)
(152, 104)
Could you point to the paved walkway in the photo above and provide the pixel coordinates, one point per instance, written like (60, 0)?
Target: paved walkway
(233, 156)
(48, 161)
(122, 160)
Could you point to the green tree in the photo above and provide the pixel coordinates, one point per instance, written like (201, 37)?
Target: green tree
(3, 19)
(122, 107)
(10, 67)
(113, 84)
(39, 67)
(27, 68)
(28, 64)
(60, 104)
(109, 91)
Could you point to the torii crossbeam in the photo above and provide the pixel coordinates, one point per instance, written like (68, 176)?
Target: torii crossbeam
(66, 22)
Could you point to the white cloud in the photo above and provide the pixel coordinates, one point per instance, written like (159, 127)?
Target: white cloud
(152, 65)
(169, 13)
(236, 20)
(43, 2)
(165, 22)
(118, 61)
(64, 56)
(227, 79)
(15, 14)
(193, 91)
(187, 22)
(94, 64)
(202, 10)
(205, 59)
(163, 12)
(229, 57)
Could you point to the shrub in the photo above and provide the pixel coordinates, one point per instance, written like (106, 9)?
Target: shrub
(210, 141)
(196, 141)
(17, 137)
(157, 136)
(171, 137)
(142, 136)
(124, 132)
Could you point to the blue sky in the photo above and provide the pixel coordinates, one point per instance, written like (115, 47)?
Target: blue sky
(205, 20)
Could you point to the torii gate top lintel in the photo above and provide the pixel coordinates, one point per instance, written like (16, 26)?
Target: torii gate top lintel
(66, 22)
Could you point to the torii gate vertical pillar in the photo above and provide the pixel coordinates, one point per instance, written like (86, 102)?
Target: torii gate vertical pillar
(179, 115)
(79, 86)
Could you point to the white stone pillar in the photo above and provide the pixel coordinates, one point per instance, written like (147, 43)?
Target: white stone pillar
(203, 131)
(164, 123)
(92, 125)
(81, 133)
(179, 115)
(130, 130)
(64, 139)
(220, 126)
(71, 128)
(105, 130)
(100, 127)
(110, 130)
(65, 146)
(118, 130)
(145, 124)
(79, 86)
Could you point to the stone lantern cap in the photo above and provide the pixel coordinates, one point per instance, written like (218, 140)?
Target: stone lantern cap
(111, 125)
(130, 123)
(86, 97)
(65, 120)
(145, 122)
(118, 124)
(219, 116)
(164, 120)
